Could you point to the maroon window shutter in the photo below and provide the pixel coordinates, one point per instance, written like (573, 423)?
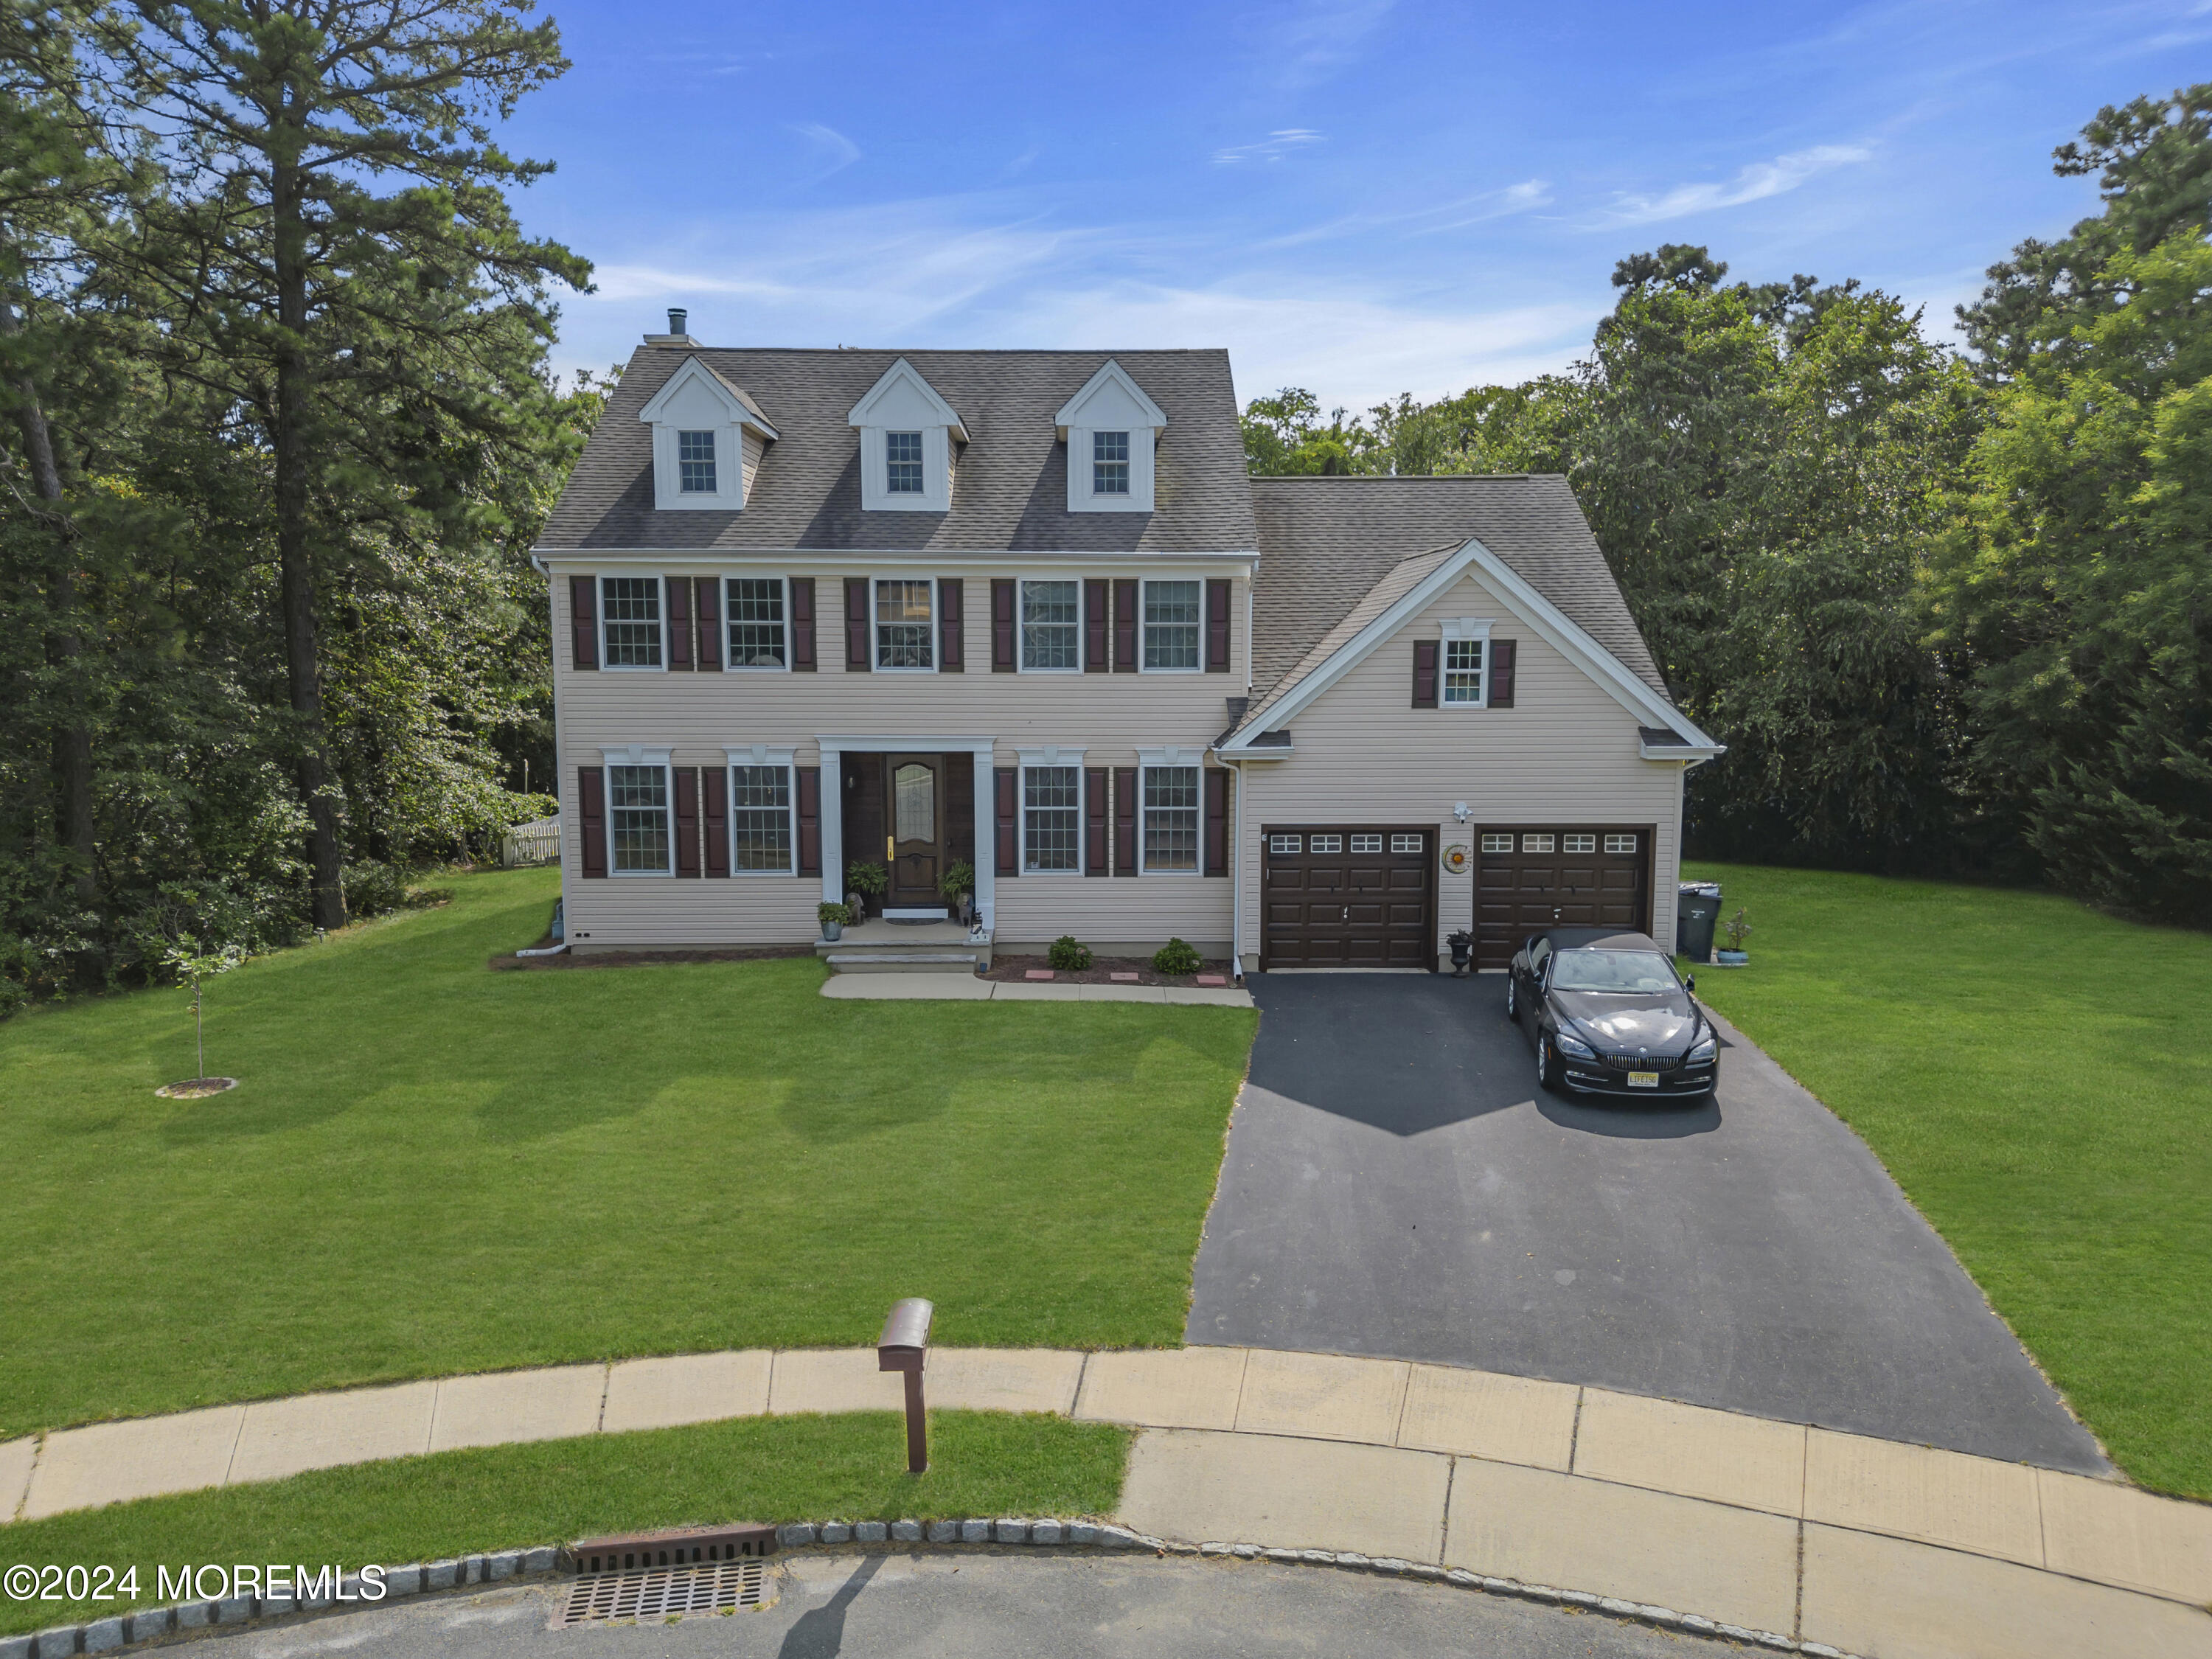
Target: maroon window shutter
(715, 818)
(584, 621)
(687, 820)
(1125, 820)
(1007, 845)
(1217, 627)
(1501, 673)
(809, 820)
(950, 594)
(708, 617)
(679, 621)
(592, 816)
(858, 658)
(1425, 673)
(1216, 821)
(1125, 627)
(1002, 626)
(1097, 659)
(1094, 821)
(802, 624)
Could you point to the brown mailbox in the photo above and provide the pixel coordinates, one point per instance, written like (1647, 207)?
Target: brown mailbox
(902, 1347)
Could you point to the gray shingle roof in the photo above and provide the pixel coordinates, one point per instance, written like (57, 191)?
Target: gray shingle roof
(1010, 489)
(1326, 543)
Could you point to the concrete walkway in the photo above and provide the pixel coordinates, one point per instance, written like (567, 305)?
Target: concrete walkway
(1867, 1546)
(966, 987)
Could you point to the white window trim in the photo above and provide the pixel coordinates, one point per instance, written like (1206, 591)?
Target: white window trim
(730, 668)
(639, 755)
(875, 628)
(760, 754)
(1082, 623)
(1465, 627)
(1097, 408)
(1144, 588)
(1050, 754)
(729, 494)
(1147, 759)
(607, 667)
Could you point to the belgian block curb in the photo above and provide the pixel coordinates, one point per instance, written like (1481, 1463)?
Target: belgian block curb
(109, 1634)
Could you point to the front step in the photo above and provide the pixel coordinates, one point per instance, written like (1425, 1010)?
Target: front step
(877, 946)
(912, 962)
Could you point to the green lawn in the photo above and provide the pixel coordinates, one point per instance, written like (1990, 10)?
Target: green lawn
(2039, 1079)
(430, 1168)
(778, 1468)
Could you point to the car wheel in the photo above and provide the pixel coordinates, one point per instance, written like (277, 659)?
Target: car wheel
(1512, 1004)
(1547, 1075)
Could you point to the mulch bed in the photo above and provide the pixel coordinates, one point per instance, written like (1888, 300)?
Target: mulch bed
(1100, 972)
(646, 958)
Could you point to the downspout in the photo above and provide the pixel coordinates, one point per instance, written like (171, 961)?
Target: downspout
(1237, 880)
(560, 750)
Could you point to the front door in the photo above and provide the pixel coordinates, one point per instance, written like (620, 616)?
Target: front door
(916, 841)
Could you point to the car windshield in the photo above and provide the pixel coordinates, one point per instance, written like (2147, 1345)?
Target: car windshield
(1644, 972)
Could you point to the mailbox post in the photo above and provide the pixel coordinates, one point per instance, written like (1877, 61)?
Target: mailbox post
(904, 1343)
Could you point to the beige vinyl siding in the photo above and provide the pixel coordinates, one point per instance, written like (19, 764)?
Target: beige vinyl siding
(1566, 752)
(697, 714)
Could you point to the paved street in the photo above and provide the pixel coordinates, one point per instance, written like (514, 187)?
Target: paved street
(986, 1607)
(1395, 1186)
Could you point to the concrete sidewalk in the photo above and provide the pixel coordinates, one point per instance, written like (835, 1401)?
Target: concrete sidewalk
(966, 987)
(1867, 1546)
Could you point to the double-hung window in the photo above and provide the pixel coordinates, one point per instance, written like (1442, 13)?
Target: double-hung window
(694, 463)
(631, 607)
(637, 813)
(1051, 818)
(756, 622)
(902, 464)
(903, 624)
(760, 819)
(1463, 670)
(1172, 613)
(1052, 630)
(1171, 827)
(1109, 462)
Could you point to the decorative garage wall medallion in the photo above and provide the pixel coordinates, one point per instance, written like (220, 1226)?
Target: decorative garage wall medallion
(1456, 858)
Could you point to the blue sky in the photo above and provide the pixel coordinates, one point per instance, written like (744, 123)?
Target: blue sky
(1355, 196)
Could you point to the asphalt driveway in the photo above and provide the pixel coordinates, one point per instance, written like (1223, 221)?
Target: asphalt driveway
(1397, 1186)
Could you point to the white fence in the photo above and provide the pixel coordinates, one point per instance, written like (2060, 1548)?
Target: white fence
(532, 843)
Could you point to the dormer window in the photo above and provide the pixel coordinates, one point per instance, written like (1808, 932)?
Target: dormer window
(709, 439)
(694, 460)
(1109, 462)
(1112, 429)
(907, 437)
(903, 463)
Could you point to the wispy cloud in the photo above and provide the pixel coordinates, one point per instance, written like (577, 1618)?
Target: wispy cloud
(832, 150)
(1753, 183)
(1287, 141)
(1478, 209)
(1316, 38)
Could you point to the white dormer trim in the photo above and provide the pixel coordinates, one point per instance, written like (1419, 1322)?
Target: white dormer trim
(903, 401)
(696, 399)
(1109, 402)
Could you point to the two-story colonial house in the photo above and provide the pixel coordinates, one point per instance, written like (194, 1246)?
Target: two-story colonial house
(1025, 610)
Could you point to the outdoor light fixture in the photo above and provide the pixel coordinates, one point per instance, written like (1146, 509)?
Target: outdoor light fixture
(1460, 812)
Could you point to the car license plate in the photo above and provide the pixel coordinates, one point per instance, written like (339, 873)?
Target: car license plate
(1643, 1079)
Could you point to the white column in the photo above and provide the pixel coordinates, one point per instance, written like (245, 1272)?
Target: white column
(832, 804)
(986, 839)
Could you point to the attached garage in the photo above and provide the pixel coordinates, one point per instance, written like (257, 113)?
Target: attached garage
(1348, 896)
(1530, 877)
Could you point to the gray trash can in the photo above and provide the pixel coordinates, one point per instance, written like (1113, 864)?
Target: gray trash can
(1697, 907)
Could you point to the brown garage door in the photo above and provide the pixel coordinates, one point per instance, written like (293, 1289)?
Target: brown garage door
(1530, 877)
(1348, 896)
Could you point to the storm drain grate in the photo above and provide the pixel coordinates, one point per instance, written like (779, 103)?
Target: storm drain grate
(665, 1592)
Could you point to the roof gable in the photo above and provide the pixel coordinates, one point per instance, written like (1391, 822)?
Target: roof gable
(902, 398)
(696, 392)
(1110, 399)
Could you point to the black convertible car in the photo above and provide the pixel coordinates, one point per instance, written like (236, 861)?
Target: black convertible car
(1609, 1015)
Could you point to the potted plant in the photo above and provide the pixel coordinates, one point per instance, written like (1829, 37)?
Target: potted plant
(833, 918)
(864, 879)
(1462, 952)
(1733, 955)
(957, 890)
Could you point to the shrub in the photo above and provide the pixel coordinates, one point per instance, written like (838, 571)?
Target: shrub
(959, 878)
(1178, 957)
(1067, 952)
